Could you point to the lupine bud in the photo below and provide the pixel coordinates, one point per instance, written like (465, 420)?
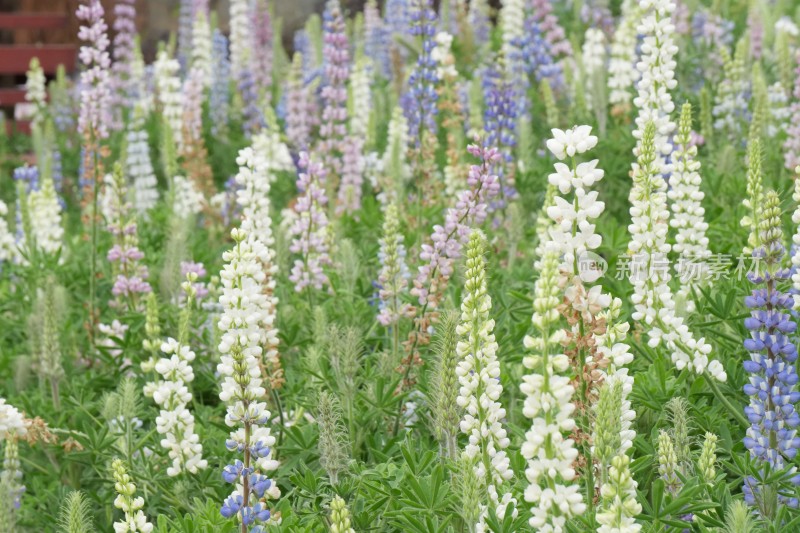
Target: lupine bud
(334, 441)
(618, 505)
(706, 464)
(340, 516)
(668, 463)
(135, 520)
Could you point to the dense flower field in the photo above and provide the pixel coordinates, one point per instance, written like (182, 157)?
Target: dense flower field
(465, 270)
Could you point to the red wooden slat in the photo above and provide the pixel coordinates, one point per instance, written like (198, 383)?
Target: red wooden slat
(15, 59)
(21, 126)
(11, 96)
(33, 21)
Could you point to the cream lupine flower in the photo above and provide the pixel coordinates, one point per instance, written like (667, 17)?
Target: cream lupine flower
(593, 57)
(688, 218)
(622, 72)
(360, 98)
(168, 93)
(36, 92)
(45, 216)
(796, 238)
(135, 520)
(201, 47)
(8, 247)
(478, 373)
(652, 297)
(548, 403)
(188, 201)
(649, 226)
(241, 37)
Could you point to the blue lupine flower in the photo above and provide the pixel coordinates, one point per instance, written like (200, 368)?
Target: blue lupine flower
(772, 436)
(253, 118)
(397, 16)
(260, 484)
(232, 472)
(500, 125)
(419, 102)
(219, 94)
(260, 449)
(29, 176)
(537, 55)
(232, 505)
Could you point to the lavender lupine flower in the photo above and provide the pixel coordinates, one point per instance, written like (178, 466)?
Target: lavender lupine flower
(470, 211)
(220, 85)
(130, 276)
(553, 31)
(309, 230)
(419, 102)
(334, 93)
(711, 30)
(376, 40)
(139, 166)
(185, 23)
(95, 81)
(123, 52)
(479, 19)
(349, 197)
(396, 16)
(168, 93)
(500, 125)
(262, 48)
(772, 437)
(300, 112)
(252, 116)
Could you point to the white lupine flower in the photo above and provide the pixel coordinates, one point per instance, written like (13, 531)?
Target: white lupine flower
(394, 162)
(571, 142)
(360, 98)
(171, 393)
(593, 56)
(442, 55)
(188, 200)
(135, 520)
(168, 93)
(787, 26)
(512, 21)
(12, 423)
(779, 109)
(144, 184)
(478, 373)
(731, 99)
(241, 38)
(8, 247)
(45, 215)
(201, 47)
(550, 456)
(688, 218)
(257, 166)
(622, 72)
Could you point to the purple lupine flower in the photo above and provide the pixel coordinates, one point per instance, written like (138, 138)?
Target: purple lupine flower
(130, 276)
(124, 42)
(681, 18)
(772, 436)
(553, 31)
(95, 81)
(596, 14)
(419, 102)
(262, 47)
(791, 147)
(376, 40)
(470, 210)
(500, 125)
(219, 95)
(301, 108)
(193, 94)
(252, 117)
(711, 30)
(310, 228)
(756, 27)
(334, 93)
(349, 197)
